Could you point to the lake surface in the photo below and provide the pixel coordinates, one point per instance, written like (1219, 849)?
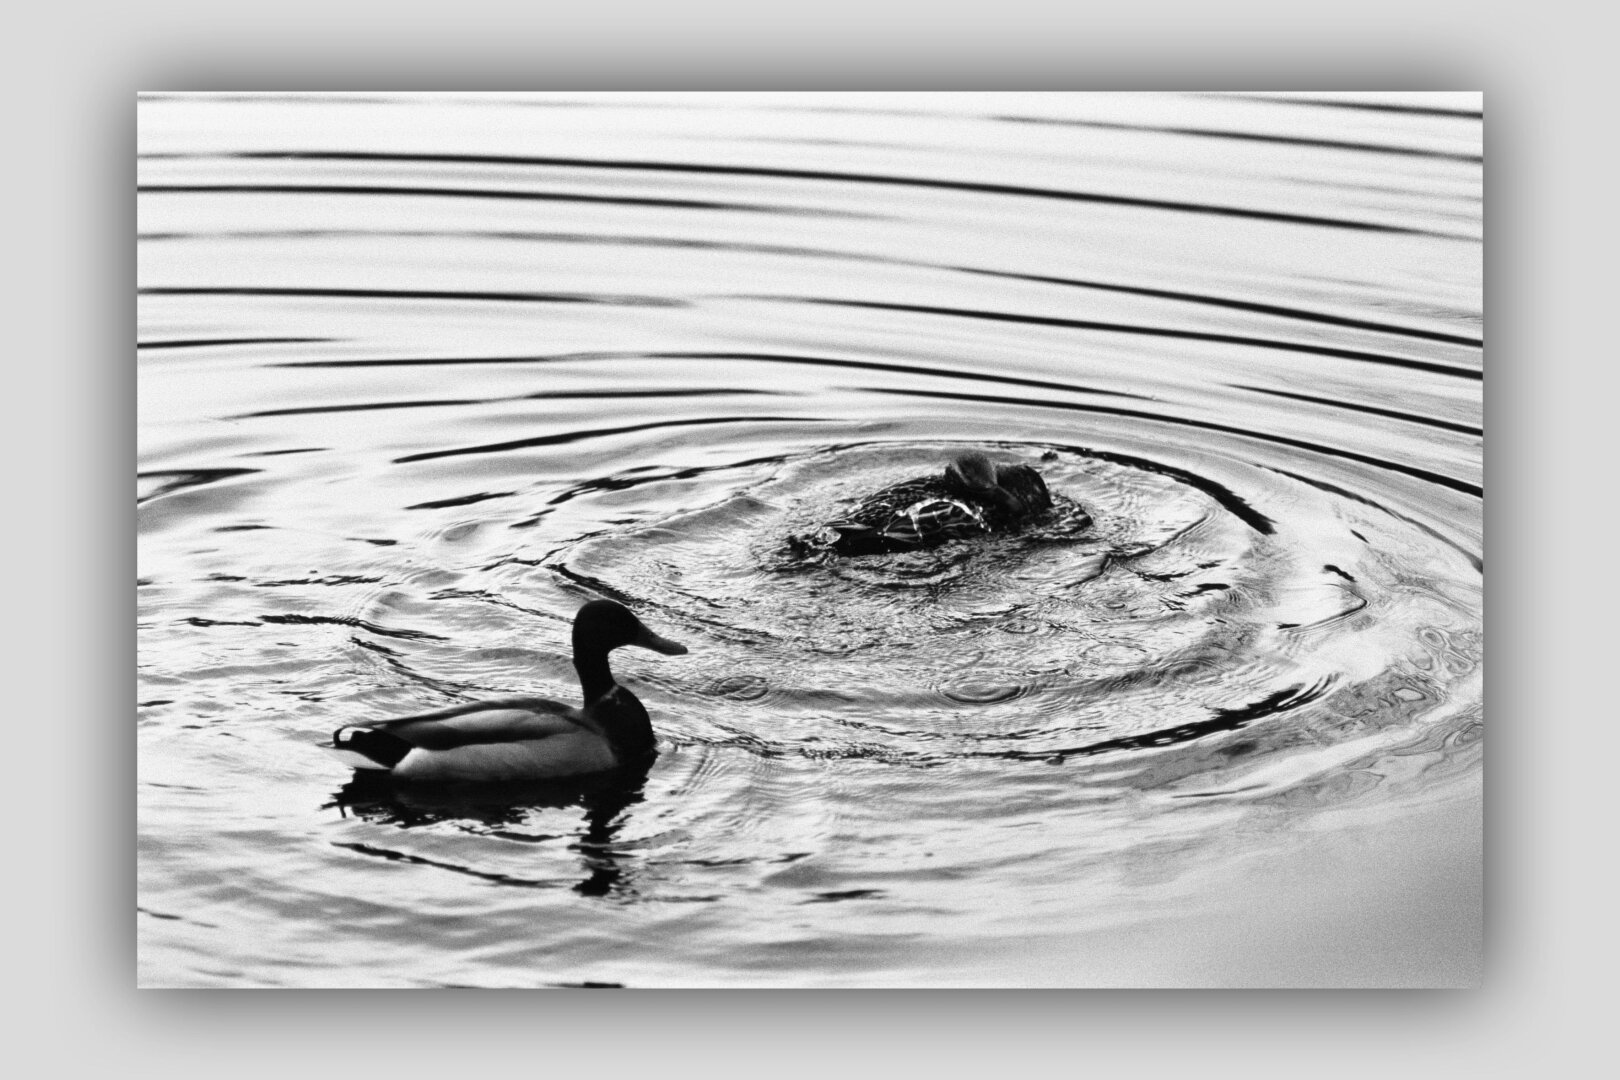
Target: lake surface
(418, 375)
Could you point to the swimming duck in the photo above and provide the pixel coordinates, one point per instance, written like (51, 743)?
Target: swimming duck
(523, 738)
(971, 497)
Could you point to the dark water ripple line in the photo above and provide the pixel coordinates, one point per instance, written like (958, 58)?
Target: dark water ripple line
(1334, 403)
(413, 294)
(624, 480)
(1473, 557)
(436, 361)
(450, 689)
(976, 187)
(1425, 475)
(546, 395)
(532, 236)
(1128, 328)
(185, 478)
(1250, 136)
(494, 193)
(1220, 721)
(796, 251)
(437, 864)
(461, 500)
(1237, 305)
(209, 343)
(903, 369)
(597, 433)
(310, 410)
(1229, 500)
(767, 358)
(1223, 720)
(351, 620)
(1368, 106)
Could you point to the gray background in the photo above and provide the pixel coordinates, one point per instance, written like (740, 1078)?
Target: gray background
(71, 77)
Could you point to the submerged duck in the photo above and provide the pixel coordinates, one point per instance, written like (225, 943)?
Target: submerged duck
(524, 738)
(973, 496)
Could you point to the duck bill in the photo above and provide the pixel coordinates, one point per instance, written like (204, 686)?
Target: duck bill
(649, 640)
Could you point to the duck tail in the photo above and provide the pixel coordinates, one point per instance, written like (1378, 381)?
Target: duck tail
(363, 748)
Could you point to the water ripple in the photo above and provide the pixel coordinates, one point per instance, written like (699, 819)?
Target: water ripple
(1020, 191)
(422, 374)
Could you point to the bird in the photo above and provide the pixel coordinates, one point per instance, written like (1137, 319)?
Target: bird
(972, 497)
(523, 738)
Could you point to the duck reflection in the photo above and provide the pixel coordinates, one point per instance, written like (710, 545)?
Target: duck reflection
(603, 801)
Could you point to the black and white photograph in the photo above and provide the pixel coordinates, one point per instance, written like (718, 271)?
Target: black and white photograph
(809, 539)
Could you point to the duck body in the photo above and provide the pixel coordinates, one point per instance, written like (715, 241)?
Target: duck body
(972, 497)
(523, 738)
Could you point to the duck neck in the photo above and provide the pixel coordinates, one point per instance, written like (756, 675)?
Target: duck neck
(594, 677)
(623, 720)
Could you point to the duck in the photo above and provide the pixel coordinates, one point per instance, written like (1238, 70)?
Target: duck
(972, 497)
(524, 738)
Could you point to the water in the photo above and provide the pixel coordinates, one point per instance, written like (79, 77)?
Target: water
(419, 375)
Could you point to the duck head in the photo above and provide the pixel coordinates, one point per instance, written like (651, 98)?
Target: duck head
(1025, 487)
(973, 473)
(604, 625)
(1016, 489)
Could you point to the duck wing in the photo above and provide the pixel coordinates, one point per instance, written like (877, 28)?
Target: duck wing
(875, 511)
(521, 719)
